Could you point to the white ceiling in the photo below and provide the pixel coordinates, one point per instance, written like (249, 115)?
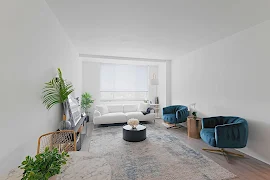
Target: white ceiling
(161, 29)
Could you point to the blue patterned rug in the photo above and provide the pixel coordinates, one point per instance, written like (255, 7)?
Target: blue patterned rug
(162, 156)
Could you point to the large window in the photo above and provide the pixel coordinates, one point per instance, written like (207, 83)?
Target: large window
(123, 82)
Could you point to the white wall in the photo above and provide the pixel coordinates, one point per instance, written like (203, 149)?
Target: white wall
(153, 90)
(91, 79)
(168, 83)
(32, 46)
(230, 77)
(91, 82)
(162, 87)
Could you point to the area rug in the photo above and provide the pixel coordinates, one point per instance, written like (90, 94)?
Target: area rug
(162, 156)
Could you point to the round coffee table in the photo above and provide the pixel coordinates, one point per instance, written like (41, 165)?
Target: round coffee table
(134, 135)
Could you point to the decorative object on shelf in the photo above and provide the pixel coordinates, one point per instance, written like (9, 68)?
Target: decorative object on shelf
(78, 100)
(156, 100)
(57, 91)
(86, 101)
(155, 82)
(64, 124)
(156, 107)
(44, 166)
(194, 113)
(192, 108)
(133, 123)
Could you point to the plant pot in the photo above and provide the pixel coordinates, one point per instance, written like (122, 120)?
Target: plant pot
(53, 177)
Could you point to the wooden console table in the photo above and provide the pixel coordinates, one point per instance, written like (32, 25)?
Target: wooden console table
(194, 127)
(78, 130)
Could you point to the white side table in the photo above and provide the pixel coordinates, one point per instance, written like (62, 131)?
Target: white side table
(156, 107)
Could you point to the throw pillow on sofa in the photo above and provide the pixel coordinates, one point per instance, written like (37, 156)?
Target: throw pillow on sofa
(103, 109)
(144, 106)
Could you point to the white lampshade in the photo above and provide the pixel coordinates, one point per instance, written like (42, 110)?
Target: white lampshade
(154, 82)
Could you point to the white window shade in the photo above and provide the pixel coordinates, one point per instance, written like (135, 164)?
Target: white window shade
(124, 78)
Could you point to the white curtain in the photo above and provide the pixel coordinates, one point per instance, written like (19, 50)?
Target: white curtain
(123, 78)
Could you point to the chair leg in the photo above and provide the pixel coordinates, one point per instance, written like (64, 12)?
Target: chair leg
(175, 126)
(225, 155)
(235, 154)
(215, 150)
(224, 152)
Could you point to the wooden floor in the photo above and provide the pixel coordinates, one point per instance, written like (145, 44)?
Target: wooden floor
(247, 168)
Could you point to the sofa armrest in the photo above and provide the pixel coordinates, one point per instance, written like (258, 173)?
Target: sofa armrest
(233, 135)
(96, 114)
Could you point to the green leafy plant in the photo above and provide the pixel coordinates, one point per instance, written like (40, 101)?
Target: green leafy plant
(86, 101)
(194, 113)
(44, 165)
(56, 91)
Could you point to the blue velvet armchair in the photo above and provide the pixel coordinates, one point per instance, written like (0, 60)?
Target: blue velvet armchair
(175, 114)
(225, 132)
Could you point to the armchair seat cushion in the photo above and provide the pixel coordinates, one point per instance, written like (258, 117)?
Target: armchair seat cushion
(170, 118)
(208, 136)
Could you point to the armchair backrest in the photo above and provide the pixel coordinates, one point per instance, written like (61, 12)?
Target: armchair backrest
(173, 109)
(211, 122)
(232, 119)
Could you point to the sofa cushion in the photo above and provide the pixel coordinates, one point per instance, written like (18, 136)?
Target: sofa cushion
(130, 108)
(111, 118)
(208, 136)
(143, 106)
(140, 116)
(114, 108)
(135, 115)
(103, 109)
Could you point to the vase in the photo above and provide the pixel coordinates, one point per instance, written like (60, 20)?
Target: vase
(156, 100)
(64, 124)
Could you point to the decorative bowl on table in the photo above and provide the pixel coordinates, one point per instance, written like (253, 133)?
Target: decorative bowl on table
(133, 123)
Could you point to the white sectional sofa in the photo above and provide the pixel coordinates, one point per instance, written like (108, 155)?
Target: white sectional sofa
(121, 113)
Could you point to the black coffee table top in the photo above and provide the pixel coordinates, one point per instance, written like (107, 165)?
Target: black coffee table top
(138, 128)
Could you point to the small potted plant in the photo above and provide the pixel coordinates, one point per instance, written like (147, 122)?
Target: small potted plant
(194, 113)
(86, 102)
(45, 166)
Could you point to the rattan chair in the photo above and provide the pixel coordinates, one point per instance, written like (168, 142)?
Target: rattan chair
(64, 140)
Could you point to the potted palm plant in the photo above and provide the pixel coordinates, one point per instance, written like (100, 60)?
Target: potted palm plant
(45, 166)
(56, 91)
(86, 102)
